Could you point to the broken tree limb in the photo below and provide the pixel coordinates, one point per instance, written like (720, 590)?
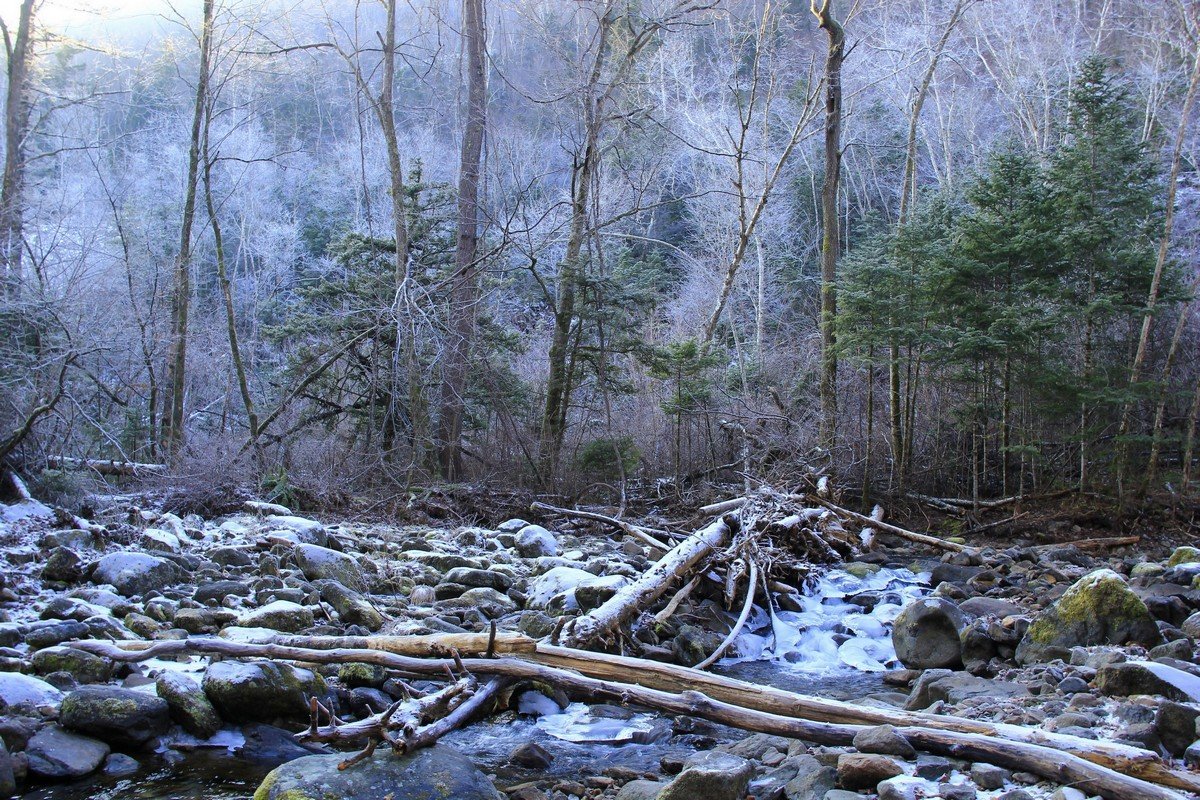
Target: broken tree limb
(724, 507)
(105, 466)
(628, 601)
(741, 620)
(1083, 763)
(1094, 544)
(680, 596)
(437, 645)
(636, 531)
(887, 527)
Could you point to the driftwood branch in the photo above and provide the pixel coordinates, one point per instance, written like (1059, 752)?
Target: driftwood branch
(105, 466)
(636, 531)
(1112, 771)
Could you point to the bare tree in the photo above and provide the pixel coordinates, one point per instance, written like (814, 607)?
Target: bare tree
(172, 427)
(465, 289)
(830, 231)
(17, 105)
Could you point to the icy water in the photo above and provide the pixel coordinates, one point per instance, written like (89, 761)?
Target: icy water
(836, 645)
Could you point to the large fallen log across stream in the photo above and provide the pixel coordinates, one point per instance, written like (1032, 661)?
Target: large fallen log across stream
(1112, 771)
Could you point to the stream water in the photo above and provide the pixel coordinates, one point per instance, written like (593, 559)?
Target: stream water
(836, 644)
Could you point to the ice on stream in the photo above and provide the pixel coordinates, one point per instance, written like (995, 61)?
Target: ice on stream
(829, 633)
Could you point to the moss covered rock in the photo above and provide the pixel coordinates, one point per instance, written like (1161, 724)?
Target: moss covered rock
(320, 563)
(1184, 555)
(188, 704)
(83, 666)
(261, 691)
(434, 773)
(118, 716)
(1098, 609)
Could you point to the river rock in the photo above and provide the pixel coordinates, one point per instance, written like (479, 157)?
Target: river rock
(85, 667)
(281, 615)
(1183, 555)
(476, 578)
(955, 687)
(260, 691)
(25, 693)
(320, 563)
(534, 541)
(57, 754)
(187, 704)
(135, 573)
(1097, 609)
(63, 565)
(268, 745)
(306, 531)
(866, 770)
(352, 607)
(927, 634)
(883, 740)
(49, 635)
(217, 591)
(1148, 677)
(431, 773)
(120, 717)
(712, 775)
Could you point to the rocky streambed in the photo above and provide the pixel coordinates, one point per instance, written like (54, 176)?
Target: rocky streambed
(1047, 638)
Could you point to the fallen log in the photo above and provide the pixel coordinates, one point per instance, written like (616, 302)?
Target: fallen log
(636, 531)
(437, 645)
(1094, 544)
(1092, 775)
(105, 466)
(604, 621)
(666, 677)
(887, 527)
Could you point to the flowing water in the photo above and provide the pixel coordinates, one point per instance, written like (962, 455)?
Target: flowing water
(835, 644)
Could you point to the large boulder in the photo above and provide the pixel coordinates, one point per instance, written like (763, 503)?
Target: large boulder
(432, 773)
(1099, 608)
(306, 531)
(534, 541)
(118, 716)
(135, 573)
(188, 704)
(54, 753)
(25, 693)
(1148, 677)
(927, 634)
(321, 563)
(712, 775)
(260, 691)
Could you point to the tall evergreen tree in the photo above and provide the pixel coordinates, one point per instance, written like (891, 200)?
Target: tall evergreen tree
(1103, 189)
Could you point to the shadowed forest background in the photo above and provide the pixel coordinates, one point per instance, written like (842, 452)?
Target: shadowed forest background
(942, 246)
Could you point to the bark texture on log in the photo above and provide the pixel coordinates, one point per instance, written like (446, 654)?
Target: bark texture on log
(626, 603)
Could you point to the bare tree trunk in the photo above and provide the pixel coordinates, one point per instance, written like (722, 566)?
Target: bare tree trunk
(16, 129)
(830, 235)
(558, 383)
(172, 424)
(1139, 359)
(464, 294)
(1189, 445)
(235, 352)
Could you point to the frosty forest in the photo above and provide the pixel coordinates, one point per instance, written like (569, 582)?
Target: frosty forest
(936, 246)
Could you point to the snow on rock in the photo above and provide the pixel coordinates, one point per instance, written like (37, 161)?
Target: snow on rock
(564, 581)
(308, 531)
(159, 539)
(534, 541)
(26, 692)
(134, 573)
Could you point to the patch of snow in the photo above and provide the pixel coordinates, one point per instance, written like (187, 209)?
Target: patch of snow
(576, 723)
